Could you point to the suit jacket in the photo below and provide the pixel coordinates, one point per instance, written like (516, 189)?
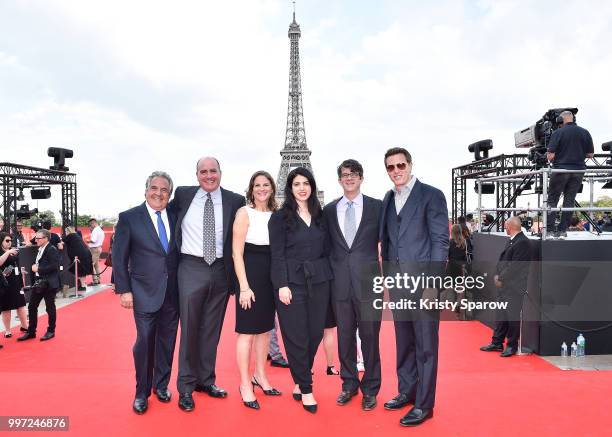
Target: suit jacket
(299, 254)
(49, 266)
(232, 202)
(513, 266)
(423, 232)
(140, 263)
(353, 265)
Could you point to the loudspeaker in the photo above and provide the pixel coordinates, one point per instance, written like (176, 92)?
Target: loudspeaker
(40, 193)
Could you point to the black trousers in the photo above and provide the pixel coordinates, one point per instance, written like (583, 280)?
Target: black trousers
(508, 321)
(568, 184)
(416, 343)
(35, 299)
(203, 296)
(302, 323)
(154, 347)
(349, 318)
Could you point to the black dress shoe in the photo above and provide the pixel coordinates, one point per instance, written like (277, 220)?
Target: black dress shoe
(48, 336)
(212, 390)
(368, 402)
(280, 362)
(186, 402)
(310, 408)
(492, 347)
(508, 352)
(26, 336)
(400, 401)
(140, 405)
(163, 395)
(249, 404)
(270, 392)
(345, 396)
(416, 416)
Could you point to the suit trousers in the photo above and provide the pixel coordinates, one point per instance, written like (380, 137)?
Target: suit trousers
(154, 347)
(416, 343)
(349, 318)
(508, 321)
(35, 299)
(203, 297)
(302, 323)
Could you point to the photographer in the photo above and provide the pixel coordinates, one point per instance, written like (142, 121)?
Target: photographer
(18, 238)
(569, 146)
(13, 298)
(46, 269)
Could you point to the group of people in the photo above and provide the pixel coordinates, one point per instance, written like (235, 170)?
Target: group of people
(45, 280)
(178, 261)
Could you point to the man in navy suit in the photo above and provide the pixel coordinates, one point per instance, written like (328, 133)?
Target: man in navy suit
(352, 226)
(414, 240)
(145, 261)
(205, 218)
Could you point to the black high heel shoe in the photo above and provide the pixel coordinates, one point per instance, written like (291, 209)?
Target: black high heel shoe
(310, 408)
(249, 404)
(296, 396)
(270, 392)
(331, 370)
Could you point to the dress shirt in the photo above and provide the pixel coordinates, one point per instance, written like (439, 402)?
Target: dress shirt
(402, 194)
(164, 217)
(193, 224)
(97, 237)
(341, 211)
(39, 255)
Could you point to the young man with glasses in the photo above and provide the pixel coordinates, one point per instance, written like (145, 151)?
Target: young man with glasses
(352, 226)
(414, 241)
(46, 271)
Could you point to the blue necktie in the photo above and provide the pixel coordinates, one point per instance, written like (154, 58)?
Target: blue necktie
(161, 229)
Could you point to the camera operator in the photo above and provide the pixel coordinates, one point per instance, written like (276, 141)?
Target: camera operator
(569, 146)
(18, 239)
(46, 269)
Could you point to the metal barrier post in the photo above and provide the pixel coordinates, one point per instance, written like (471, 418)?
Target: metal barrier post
(545, 202)
(479, 182)
(76, 279)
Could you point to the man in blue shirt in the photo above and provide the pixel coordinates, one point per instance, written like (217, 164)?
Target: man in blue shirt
(569, 146)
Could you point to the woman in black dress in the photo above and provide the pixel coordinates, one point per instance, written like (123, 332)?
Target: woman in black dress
(458, 249)
(301, 273)
(255, 308)
(12, 298)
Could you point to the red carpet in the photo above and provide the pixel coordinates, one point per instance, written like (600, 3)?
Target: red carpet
(86, 373)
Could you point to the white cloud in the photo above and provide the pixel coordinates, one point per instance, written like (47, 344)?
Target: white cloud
(138, 86)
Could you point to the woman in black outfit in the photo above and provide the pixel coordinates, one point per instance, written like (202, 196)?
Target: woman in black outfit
(458, 249)
(301, 274)
(12, 298)
(76, 247)
(255, 308)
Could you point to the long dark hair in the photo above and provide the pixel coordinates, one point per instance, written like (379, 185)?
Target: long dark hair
(290, 205)
(251, 198)
(3, 235)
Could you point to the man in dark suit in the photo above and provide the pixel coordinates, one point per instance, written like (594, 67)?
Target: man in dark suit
(145, 260)
(511, 281)
(352, 225)
(414, 240)
(46, 268)
(206, 276)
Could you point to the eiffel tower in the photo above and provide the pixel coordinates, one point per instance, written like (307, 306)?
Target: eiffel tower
(296, 152)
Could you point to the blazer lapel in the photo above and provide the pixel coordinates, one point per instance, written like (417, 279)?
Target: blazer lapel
(148, 224)
(226, 213)
(383, 215)
(337, 223)
(364, 214)
(410, 206)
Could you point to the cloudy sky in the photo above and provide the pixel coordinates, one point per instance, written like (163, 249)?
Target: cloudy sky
(134, 86)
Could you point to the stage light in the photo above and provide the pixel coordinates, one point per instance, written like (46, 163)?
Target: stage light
(487, 187)
(40, 193)
(479, 147)
(59, 156)
(20, 197)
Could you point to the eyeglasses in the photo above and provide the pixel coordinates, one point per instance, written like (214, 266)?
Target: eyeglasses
(39, 238)
(349, 175)
(400, 166)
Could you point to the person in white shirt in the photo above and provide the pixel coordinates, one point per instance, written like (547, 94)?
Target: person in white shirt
(95, 242)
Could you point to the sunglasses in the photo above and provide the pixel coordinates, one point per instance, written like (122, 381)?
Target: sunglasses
(400, 166)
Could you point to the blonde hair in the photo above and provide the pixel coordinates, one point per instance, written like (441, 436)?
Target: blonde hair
(457, 236)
